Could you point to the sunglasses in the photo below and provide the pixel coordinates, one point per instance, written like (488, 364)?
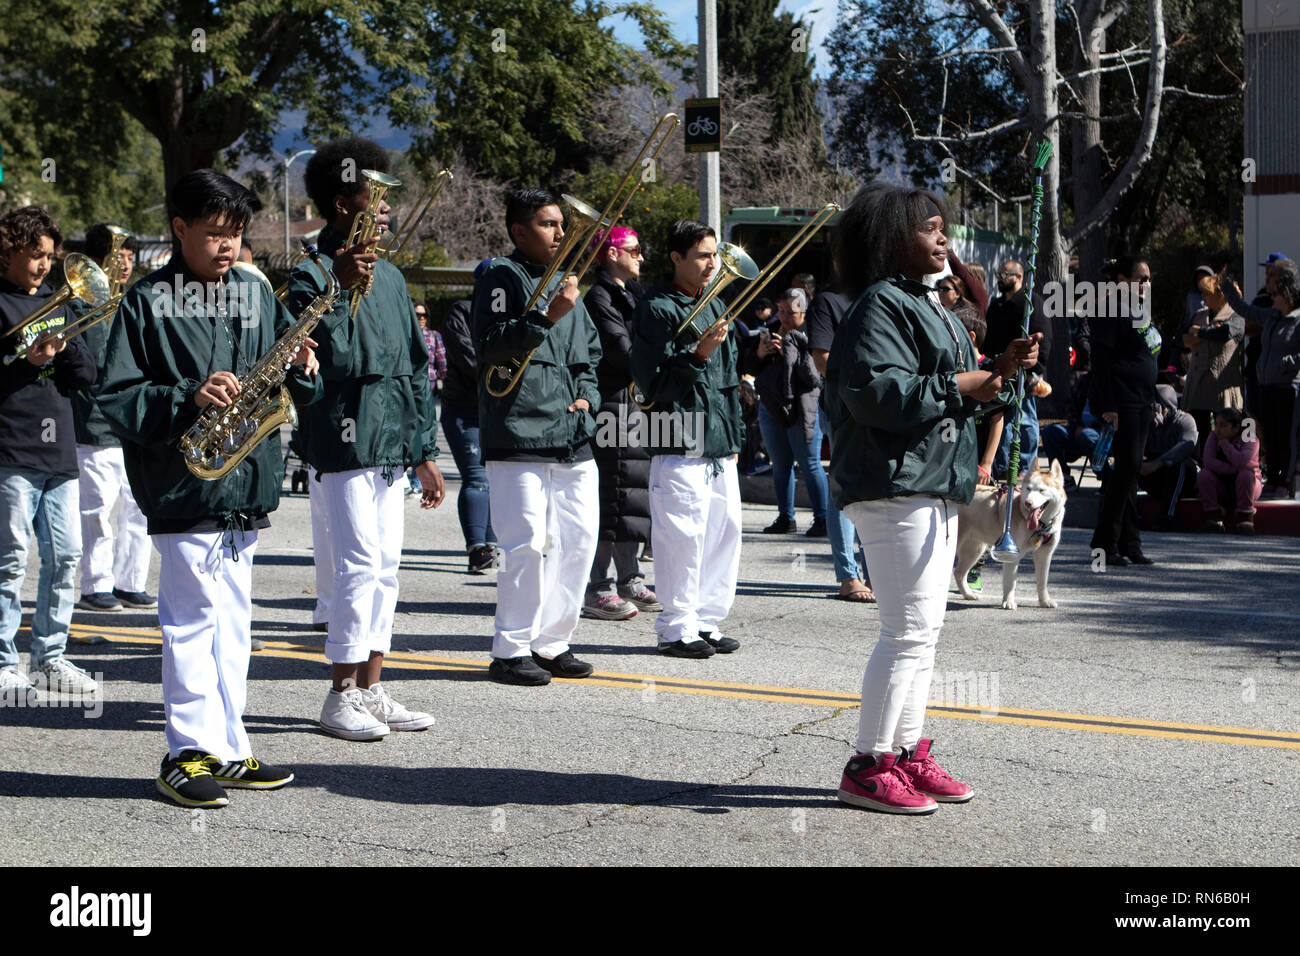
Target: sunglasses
(945, 288)
(1008, 275)
(632, 251)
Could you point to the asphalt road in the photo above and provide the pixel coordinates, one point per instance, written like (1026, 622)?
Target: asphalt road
(1150, 719)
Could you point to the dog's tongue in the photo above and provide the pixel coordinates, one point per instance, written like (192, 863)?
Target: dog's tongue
(1032, 522)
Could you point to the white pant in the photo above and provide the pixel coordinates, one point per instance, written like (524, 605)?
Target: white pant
(546, 517)
(366, 520)
(695, 526)
(205, 607)
(909, 544)
(105, 562)
(320, 545)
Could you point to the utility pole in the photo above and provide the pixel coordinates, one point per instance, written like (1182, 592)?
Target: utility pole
(287, 163)
(710, 181)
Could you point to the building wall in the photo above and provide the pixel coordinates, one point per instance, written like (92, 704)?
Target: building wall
(1272, 133)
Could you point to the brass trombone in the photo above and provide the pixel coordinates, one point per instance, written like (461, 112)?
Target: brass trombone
(418, 211)
(735, 263)
(782, 258)
(83, 280)
(574, 258)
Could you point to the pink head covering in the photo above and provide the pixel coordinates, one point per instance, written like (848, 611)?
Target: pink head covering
(618, 237)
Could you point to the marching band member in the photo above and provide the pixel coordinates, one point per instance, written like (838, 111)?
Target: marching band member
(375, 418)
(114, 569)
(694, 488)
(543, 484)
(902, 372)
(38, 462)
(182, 339)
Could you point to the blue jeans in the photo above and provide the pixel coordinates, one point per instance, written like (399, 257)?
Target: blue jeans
(1028, 439)
(841, 530)
(784, 446)
(1058, 445)
(50, 505)
(461, 428)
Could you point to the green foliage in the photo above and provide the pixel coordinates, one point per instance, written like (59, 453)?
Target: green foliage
(653, 208)
(765, 47)
(517, 80)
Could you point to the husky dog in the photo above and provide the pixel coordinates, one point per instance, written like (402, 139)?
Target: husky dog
(1035, 525)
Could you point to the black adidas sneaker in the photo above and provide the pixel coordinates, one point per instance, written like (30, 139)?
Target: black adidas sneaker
(188, 781)
(248, 774)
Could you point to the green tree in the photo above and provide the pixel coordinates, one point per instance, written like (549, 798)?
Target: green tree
(770, 50)
(204, 77)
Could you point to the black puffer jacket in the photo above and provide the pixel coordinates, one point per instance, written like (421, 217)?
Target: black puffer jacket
(624, 466)
(460, 390)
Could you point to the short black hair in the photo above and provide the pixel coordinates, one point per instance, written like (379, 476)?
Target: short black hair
(877, 226)
(99, 240)
(761, 303)
(335, 170)
(522, 204)
(205, 192)
(1126, 266)
(806, 280)
(22, 228)
(684, 234)
(1231, 414)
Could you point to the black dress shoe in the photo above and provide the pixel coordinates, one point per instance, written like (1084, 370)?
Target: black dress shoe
(564, 665)
(692, 649)
(520, 671)
(1117, 560)
(782, 525)
(1139, 558)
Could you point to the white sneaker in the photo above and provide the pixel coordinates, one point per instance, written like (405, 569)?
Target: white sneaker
(15, 689)
(61, 676)
(384, 708)
(345, 715)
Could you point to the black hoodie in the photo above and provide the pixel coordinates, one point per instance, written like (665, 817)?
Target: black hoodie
(36, 427)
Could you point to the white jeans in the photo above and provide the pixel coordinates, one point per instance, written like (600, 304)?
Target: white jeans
(107, 562)
(366, 519)
(206, 610)
(320, 545)
(695, 526)
(546, 518)
(909, 544)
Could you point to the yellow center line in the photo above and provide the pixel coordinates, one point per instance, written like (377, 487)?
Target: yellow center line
(1131, 726)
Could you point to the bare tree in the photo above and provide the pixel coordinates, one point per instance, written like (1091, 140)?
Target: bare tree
(468, 219)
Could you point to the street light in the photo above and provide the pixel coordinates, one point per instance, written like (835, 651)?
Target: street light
(287, 163)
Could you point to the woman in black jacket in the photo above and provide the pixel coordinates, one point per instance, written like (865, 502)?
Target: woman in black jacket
(1123, 389)
(618, 592)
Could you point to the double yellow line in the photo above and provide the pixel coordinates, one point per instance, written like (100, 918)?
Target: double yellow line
(1133, 727)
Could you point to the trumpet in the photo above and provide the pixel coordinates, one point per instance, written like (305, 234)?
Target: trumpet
(366, 228)
(83, 280)
(569, 259)
(112, 264)
(735, 264)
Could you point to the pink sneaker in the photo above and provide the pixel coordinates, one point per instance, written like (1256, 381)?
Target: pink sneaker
(926, 776)
(880, 785)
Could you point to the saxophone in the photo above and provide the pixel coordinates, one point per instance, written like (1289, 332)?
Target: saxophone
(223, 437)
